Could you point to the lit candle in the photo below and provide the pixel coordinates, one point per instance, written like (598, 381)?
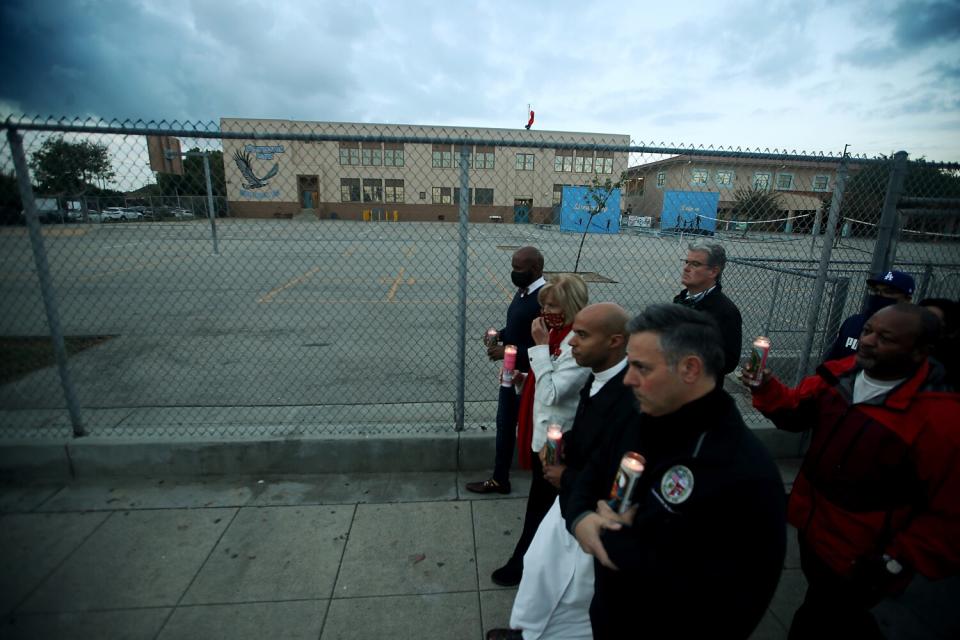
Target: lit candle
(758, 359)
(491, 337)
(509, 357)
(554, 444)
(631, 468)
(509, 364)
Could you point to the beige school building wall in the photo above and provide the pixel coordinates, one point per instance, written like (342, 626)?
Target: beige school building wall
(354, 181)
(803, 186)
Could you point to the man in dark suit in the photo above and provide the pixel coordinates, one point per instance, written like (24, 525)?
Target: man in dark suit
(701, 277)
(527, 276)
(557, 584)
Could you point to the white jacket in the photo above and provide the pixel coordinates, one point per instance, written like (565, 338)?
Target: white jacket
(558, 389)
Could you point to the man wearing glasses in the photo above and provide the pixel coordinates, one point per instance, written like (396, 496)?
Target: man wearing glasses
(701, 277)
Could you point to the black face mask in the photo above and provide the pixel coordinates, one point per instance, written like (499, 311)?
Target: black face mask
(521, 279)
(875, 303)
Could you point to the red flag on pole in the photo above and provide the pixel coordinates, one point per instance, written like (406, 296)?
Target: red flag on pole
(530, 121)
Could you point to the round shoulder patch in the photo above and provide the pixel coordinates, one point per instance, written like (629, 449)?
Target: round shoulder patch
(676, 484)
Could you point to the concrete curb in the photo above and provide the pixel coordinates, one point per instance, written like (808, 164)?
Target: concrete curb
(103, 456)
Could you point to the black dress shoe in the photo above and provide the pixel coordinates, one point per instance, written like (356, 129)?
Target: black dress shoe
(504, 634)
(508, 575)
(489, 486)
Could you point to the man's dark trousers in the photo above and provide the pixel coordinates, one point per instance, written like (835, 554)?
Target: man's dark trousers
(508, 406)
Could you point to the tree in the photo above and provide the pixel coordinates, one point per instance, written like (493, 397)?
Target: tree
(866, 189)
(598, 193)
(10, 204)
(755, 204)
(193, 182)
(68, 168)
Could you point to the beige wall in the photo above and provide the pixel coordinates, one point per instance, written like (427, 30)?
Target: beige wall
(322, 159)
(679, 171)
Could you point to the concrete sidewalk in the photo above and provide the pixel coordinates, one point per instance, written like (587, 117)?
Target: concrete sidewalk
(355, 556)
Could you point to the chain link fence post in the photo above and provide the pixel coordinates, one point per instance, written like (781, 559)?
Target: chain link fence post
(820, 284)
(46, 283)
(884, 251)
(464, 213)
(838, 300)
(210, 210)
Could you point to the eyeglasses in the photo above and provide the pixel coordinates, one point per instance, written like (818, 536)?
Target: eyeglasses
(694, 263)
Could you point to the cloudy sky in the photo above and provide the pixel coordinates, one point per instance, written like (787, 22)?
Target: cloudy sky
(796, 75)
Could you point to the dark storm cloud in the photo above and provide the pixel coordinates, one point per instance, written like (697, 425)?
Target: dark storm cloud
(924, 24)
(194, 61)
(915, 27)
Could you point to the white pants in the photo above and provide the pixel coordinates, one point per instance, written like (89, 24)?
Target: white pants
(553, 600)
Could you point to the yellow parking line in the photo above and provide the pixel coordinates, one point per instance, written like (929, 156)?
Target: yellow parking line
(273, 292)
(497, 282)
(396, 283)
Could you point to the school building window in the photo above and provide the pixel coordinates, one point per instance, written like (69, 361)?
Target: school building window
(724, 179)
(563, 161)
(661, 179)
(604, 162)
(483, 158)
(557, 194)
(442, 195)
(524, 162)
(371, 157)
(442, 156)
(456, 195)
(393, 154)
(784, 181)
(699, 177)
(393, 191)
(820, 183)
(483, 196)
(349, 189)
(372, 190)
(761, 181)
(350, 153)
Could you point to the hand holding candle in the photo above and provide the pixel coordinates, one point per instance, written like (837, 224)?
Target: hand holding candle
(752, 373)
(491, 337)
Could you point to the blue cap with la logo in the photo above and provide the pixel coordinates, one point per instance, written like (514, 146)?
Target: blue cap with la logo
(896, 279)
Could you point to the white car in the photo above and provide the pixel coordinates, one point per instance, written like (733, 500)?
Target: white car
(120, 214)
(181, 213)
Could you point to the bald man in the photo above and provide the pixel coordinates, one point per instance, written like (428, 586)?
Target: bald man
(557, 584)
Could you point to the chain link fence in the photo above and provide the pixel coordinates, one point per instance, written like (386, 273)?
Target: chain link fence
(280, 278)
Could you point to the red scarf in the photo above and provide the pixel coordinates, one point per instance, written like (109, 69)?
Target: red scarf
(525, 419)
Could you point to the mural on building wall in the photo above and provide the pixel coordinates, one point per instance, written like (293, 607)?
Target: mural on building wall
(251, 180)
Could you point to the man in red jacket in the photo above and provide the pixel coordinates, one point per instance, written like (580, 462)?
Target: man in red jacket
(876, 500)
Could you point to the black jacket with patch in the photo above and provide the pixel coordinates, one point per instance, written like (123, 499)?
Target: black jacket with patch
(701, 560)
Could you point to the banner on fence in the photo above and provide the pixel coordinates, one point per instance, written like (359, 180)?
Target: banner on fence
(577, 206)
(690, 212)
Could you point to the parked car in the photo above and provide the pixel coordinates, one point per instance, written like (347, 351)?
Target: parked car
(121, 214)
(181, 213)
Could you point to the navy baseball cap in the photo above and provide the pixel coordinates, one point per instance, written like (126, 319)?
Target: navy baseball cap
(896, 279)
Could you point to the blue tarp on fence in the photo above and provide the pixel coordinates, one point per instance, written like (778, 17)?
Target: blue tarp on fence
(690, 211)
(576, 206)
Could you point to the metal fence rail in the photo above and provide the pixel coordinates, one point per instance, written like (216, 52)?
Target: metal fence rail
(305, 278)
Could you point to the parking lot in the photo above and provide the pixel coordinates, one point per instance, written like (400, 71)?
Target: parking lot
(330, 321)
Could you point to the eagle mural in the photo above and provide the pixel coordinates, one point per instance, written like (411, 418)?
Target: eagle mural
(251, 180)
